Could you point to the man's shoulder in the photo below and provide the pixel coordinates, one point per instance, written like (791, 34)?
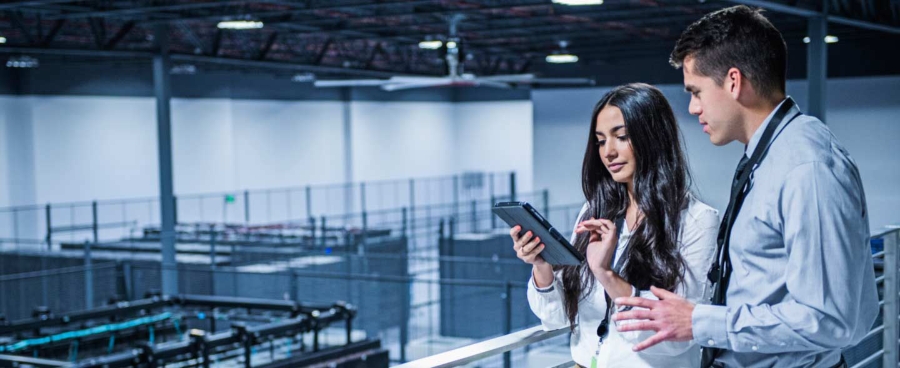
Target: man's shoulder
(806, 139)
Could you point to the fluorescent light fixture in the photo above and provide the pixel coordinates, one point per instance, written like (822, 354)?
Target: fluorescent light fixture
(578, 2)
(431, 45)
(22, 62)
(304, 78)
(451, 44)
(240, 24)
(828, 39)
(562, 58)
(2, 39)
(184, 69)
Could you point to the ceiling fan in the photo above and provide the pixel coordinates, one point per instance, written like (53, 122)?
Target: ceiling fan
(456, 76)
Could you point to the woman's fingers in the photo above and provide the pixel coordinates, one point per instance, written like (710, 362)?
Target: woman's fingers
(600, 225)
(528, 248)
(514, 232)
(531, 257)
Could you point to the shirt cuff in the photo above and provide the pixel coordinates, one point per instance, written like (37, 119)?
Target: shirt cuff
(708, 323)
(634, 292)
(542, 289)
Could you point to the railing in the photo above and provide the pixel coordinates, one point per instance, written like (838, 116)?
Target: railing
(488, 348)
(888, 329)
(890, 312)
(114, 219)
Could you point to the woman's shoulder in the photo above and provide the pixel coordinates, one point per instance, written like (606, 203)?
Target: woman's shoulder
(700, 215)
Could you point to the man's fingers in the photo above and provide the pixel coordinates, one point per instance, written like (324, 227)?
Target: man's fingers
(636, 301)
(664, 294)
(653, 340)
(633, 314)
(637, 326)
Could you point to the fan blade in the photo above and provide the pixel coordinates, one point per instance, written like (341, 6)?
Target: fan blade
(517, 78)
(419, 79)
(350, 83)
(480, 82)
(563, 81)
(402, 86)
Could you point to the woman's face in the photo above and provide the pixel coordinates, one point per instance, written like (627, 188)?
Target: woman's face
(613, 144)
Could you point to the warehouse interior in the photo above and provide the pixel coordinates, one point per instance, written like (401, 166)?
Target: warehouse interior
(285, 183)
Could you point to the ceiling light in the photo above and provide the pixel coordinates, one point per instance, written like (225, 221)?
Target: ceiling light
(303, 78)
(431, 45)
(184, 69)
(562, 58)
(828, 39)
(451, 44)
(22, 62)
(240, 24)
(2, 39)
(578, 2)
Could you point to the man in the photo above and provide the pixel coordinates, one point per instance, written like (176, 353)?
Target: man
(793, 281)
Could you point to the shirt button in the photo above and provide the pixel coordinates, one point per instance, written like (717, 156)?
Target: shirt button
(711, 342)
(755, 348)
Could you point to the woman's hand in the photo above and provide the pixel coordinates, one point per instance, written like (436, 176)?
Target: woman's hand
(601, 246)
(528, 249)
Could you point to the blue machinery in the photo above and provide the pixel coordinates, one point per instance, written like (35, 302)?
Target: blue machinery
(137, 325)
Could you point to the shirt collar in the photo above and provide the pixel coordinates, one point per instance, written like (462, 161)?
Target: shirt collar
(754, 140)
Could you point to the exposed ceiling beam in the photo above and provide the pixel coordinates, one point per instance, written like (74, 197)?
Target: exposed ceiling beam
(52, 34)
(19, 4)
(807, 13)
(272, 65)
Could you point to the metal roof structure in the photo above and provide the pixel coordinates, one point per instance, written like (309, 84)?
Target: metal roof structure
(354, 38)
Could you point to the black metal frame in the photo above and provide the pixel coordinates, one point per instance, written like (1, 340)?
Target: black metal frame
(379, 39)
(304, 317)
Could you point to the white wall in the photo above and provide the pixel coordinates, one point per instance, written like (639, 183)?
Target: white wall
(282, 144)
(94, 148)
(402, 139)
(862, 113)
(5, 103)
(19, 152)
(496, 137)
(202, 146)
(87, 148)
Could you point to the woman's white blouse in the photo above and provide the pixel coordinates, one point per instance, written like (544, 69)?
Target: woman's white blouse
(699, 229)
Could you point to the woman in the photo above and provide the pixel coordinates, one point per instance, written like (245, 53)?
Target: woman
(640, 227)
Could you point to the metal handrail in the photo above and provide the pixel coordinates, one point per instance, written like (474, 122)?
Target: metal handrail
(485, 349)
(506, 343)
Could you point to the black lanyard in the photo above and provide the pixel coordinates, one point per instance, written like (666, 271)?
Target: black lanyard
(603, 328)
(720, 273)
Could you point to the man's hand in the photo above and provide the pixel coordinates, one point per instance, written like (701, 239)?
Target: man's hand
(670, 317)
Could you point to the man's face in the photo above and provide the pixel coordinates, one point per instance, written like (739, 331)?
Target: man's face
(715, 105)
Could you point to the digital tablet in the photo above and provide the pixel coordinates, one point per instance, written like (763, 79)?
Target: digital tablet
(557, 250)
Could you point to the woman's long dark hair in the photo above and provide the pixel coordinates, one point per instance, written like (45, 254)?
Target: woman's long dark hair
(661, 190)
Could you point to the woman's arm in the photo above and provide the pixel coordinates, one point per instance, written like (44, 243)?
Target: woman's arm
(600, 253)
(698, 246)
(547, 302)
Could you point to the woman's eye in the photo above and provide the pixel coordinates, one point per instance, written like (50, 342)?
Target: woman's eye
(623, 138)
(600, 143)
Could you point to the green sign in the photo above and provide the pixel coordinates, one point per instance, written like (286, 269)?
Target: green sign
(229, 198)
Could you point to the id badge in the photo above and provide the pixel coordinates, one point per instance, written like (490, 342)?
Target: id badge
(596, 354)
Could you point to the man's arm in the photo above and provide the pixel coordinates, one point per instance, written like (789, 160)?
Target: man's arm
(828, 277)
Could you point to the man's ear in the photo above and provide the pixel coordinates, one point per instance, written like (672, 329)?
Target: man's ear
(734, 82)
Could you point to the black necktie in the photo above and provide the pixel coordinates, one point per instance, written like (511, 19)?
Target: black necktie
(720, 272)
(737, 173)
